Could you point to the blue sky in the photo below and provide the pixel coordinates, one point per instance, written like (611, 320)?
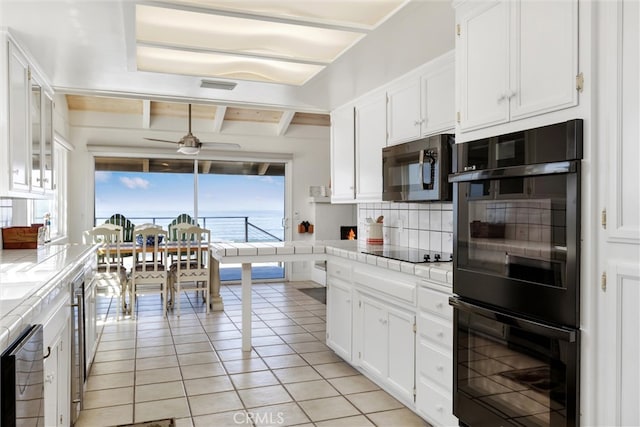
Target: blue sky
(168, 194)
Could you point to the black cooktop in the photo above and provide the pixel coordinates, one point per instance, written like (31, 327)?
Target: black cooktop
(411, 255)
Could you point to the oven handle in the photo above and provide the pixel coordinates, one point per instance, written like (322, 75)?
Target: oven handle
(563, 334)
(555, 168)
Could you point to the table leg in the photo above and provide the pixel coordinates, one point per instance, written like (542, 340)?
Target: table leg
(246, 307)
(215, 299)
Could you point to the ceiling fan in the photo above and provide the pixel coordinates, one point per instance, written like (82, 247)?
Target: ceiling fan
(190, 144)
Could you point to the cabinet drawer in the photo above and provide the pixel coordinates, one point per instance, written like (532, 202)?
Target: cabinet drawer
(435, 302)
(434, 366)
(434, 406)
(438, 331)
(341, 271)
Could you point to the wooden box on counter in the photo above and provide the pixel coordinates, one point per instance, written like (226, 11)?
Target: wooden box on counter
(27, 237)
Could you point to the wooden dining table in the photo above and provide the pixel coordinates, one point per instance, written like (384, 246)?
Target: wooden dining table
(215, 300)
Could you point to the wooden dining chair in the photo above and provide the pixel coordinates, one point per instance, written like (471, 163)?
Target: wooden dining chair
(111, 273)
(149, 273)
(190, 272)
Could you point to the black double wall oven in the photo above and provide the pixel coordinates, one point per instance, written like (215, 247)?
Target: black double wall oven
(517, 278)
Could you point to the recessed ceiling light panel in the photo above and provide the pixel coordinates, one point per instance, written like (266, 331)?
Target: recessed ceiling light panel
(224, 66)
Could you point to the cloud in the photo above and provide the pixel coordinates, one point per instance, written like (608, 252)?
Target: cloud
(135, 182)
(103, 176)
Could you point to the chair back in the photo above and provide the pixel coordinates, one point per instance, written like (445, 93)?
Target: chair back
(127, 226)
(149, 250)
(180, 219)
(193, 246)
(110, 236)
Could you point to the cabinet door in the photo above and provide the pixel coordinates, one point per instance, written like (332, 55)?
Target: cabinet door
(403, 112)
(438, 101)
(57, 382)
(339, 322)
(544, 57)
(19, 143)
(371, 137)
(342, 155)
(401, 348)
(373, 336)
(36, 137)
(483, 67)
(47, 147)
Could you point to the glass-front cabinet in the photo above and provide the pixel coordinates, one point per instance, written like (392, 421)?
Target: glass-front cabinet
(18, 120)
(29, 145)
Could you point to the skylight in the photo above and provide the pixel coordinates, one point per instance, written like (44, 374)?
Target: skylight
(268, 41)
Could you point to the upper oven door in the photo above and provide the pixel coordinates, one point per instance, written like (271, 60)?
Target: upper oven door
(516, 239)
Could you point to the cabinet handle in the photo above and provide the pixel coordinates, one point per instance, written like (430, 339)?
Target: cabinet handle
(501, 98)
(338, 272)
(16, 171)
(439, 408)
(416, 122)
(348, 301)
(440, 368)
(511, 94)
(49, 378)
(439, 305)
(440, 334)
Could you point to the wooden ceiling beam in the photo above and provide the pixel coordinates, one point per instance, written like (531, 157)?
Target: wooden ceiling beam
(218, 119)
(284, 122)
(146, 114)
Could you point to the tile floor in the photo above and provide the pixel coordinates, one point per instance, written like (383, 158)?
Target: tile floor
(192, 368)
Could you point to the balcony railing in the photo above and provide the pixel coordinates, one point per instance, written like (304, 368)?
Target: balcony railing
(223, 228)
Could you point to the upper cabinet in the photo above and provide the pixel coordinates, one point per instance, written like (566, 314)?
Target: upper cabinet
(18, 119)
(422, 104)
(371, 138)
(26, 140)
(343, 155)
(515, 59)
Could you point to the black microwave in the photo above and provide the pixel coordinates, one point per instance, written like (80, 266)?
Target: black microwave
(417, 171)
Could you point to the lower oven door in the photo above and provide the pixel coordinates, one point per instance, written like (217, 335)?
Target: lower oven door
(510, 371)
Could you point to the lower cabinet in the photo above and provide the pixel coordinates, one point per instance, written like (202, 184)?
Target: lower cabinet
(57, 365)
(339, 317)
(385, 344)
(434, 356)
(398, 331)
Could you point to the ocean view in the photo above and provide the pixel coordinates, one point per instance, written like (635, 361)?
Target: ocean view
(224, 225)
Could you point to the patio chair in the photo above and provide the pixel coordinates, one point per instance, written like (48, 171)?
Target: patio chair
(180, 219)
(127, 226)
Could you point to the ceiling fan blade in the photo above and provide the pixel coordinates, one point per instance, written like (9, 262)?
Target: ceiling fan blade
(161, 140)
(224, 145)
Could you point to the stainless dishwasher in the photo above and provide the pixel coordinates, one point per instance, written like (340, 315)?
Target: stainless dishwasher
(78, 370)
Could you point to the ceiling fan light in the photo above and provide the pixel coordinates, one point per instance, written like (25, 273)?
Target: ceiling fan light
(184, 149)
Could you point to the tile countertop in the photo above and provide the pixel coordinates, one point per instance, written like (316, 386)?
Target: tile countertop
(441, 272)
(29, 279)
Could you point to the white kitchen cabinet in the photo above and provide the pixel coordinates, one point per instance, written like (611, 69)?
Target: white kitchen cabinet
(386, 344)
(28, 142)
(339, 309)
(515, 59)
(422, 104)
(371, 138)
(57, 374)
(434, 355)
(18, 120)
(616, 386)
(343, 155)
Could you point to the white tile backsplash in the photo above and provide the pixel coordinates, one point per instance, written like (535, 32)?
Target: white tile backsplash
(416, 225)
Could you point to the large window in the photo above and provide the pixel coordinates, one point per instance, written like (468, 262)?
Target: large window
(237, 201)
